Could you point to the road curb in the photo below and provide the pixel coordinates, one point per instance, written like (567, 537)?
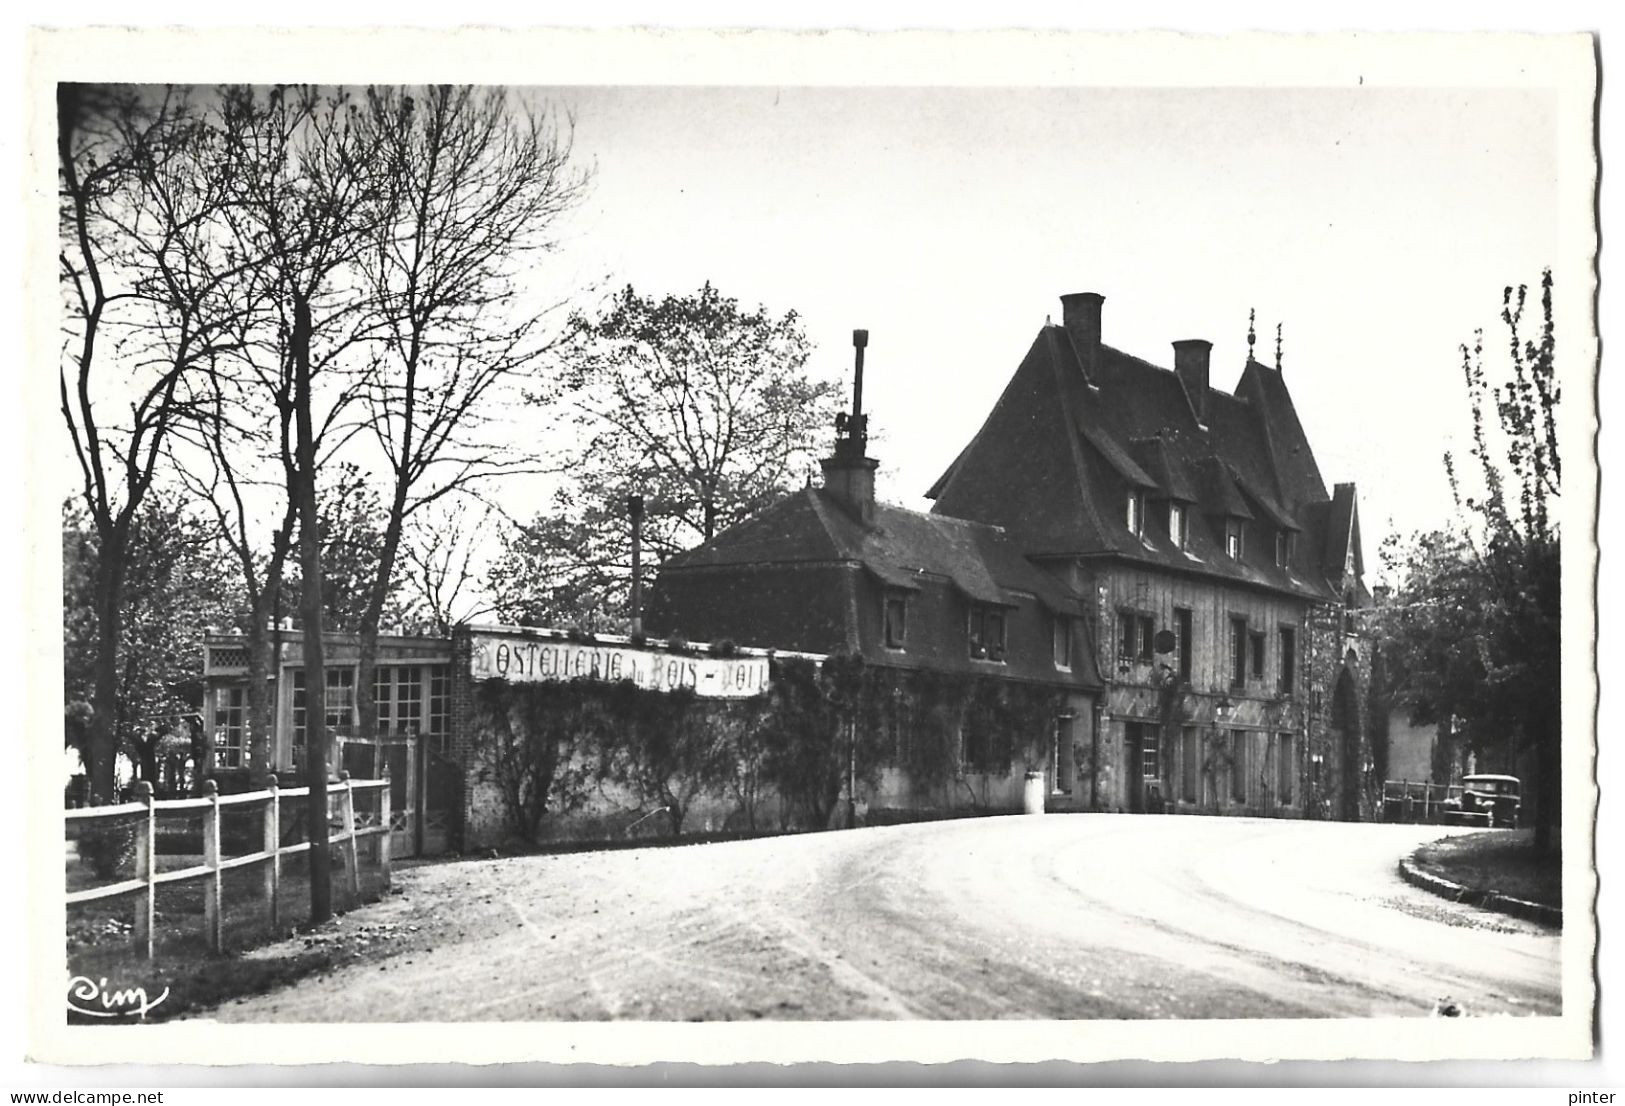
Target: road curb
(1413, 874)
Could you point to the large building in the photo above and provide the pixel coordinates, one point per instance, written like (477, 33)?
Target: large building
(1166, 552)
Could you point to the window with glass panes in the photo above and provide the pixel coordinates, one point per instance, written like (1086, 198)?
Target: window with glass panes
(1061, 642)
(894, 618)
(437, 724)
(1238, 651)
(1287, 674)
(397, 692)
(339, 702)
(230, 714)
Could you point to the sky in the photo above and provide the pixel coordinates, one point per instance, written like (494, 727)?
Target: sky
(1378, 226)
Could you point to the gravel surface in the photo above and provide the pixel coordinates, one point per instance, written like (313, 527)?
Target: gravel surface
(1064, 916)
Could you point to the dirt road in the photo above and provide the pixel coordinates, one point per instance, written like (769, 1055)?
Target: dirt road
(1079, 916)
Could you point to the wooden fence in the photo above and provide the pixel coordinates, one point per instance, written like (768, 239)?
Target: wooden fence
(148, 878)
(1416, 801)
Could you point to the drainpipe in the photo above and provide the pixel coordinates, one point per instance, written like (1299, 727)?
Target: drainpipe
(1094, 755)
(634, 507)
(852, 774)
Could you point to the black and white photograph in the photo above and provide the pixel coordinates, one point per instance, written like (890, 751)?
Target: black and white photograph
(857, 546)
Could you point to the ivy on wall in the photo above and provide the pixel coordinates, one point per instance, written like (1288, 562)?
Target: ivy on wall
(545, 745)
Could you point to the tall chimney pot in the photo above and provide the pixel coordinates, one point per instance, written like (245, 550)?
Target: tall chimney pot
(1191, 363)
(1080, 315)
(849, 474)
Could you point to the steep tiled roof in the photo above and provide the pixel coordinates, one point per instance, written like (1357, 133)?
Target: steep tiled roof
(812, 529)
(1057, 454)
(810, 526)
(1169, 478)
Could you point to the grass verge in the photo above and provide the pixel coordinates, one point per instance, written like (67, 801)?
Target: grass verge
(1503, 861)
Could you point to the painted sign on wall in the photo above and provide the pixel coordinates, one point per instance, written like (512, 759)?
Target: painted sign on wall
(524, 660)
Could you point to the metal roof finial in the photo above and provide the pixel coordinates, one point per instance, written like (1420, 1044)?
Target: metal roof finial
(1277, 347)
(1251, 337)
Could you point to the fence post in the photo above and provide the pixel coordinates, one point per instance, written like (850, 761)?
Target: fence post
(1427, 795)
(386, 839)
(146, 867)
(349, 832)
(211, 857)
(273, 845)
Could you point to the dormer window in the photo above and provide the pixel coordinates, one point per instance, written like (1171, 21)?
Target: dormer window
(986, 633)
(1283, 548)
(1136, 512)
(1061, 644)
(1176, 523)
(1234, 537)
(896, 617)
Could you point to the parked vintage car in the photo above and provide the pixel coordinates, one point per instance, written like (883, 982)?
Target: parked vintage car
(1492, 800)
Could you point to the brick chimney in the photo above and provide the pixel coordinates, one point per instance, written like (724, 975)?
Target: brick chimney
(1191, 363)
(1080, 314)
(849, 475)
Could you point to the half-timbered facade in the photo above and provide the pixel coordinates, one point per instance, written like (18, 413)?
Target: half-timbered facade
(1220, 568)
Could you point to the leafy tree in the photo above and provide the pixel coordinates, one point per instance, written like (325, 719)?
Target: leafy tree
(701, 406)
(1474, 624)
(173, 591)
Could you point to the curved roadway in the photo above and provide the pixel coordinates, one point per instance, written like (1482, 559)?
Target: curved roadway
(1077, 916)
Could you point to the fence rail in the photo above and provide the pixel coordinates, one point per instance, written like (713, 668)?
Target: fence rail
(1408, 800)
(214, 865)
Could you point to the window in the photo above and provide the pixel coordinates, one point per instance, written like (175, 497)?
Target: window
(1135, 632)
(1234, 533)
(1176, 523)
(1061, 754)
(976, 744)
(1146, 738)
(1286, 769)
(1190, 764)
(1238, 766)
(1182, 629)
(1136, 512)
(339, 702)
(897, 729)
(896, 621)
(397, 693)
(437, 726)
(230, 711)
(1238, 652)
(1283, 548)
(1061, 643)
(1255, 642)
(1287, 677)
(986, 633)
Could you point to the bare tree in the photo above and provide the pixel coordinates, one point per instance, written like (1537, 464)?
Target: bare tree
(148, 297)
(441, 582)
(476, 182)
(307, 192)
(235, 454)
